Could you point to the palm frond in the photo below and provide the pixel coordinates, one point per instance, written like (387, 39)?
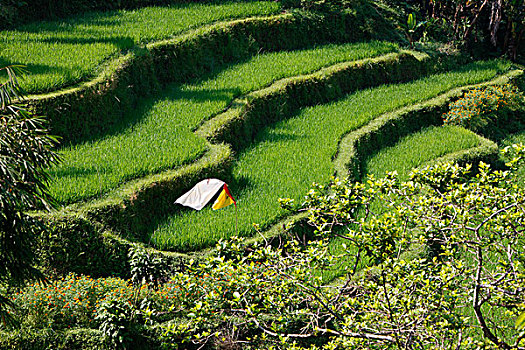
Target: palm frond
(11, 89)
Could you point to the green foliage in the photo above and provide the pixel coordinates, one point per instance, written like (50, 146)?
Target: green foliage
(38, 339)
(260, 295)
(25, 150)
(492, 111)
(282, 160)
(474, 233)
(115, 317)
(73, 244)
(323, 6)
(410, 28)
(145, 267)
(70, 301)
(516, 138)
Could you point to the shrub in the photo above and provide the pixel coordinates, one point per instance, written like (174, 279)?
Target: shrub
(491, 110)
(465, 294)
(115, 315)
(26, 150)
(73, 244)
(70, 301)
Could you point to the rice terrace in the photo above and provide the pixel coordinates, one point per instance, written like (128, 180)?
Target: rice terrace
(248, 174)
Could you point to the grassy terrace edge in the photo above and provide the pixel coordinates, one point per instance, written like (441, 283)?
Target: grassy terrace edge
(357, 145)
(130, 205)
(123, 209)
(145, 70)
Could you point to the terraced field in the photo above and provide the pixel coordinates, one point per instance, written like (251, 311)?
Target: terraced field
(269, 117)
(170, 132)
(159, 134)
(61, 53)
(287, 157)
(420, 148)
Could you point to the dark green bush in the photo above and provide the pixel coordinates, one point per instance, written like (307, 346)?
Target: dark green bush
(9, 11)
(72, 244)
(40, 339)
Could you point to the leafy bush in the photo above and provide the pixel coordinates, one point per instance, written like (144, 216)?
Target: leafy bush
(491, 110)
(466, 294)
(26, 150)
(70, 301)
(47, 338)
(115, 315)
(146, 268)
(74, 244)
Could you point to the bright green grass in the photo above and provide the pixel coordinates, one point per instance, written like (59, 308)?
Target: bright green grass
(161, 135)
(293, 153)
(418, 149)
(62, 53)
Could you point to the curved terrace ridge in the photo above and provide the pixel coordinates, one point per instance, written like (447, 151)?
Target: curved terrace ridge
(128, 209)
(139, 198)
(247, 108)
(162, 136)
(101, 102)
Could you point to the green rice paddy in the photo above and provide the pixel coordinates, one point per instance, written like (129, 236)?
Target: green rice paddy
(159, 134)
(288, 157)
(419, 148)
(61, 53)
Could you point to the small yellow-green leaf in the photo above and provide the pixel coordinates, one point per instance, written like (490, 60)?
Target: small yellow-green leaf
(520, 321)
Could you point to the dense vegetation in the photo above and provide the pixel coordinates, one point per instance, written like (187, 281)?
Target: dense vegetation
(423, 273)
(431, 256)
(25, 150)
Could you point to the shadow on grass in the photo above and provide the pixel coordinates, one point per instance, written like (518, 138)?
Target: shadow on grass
(120, 42)
(174, 91)
(73, 171)
(133, 118)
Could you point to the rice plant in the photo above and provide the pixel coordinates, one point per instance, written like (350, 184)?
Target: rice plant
(61, 53)
(420, 148)
(159, 134)
(292, 154)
